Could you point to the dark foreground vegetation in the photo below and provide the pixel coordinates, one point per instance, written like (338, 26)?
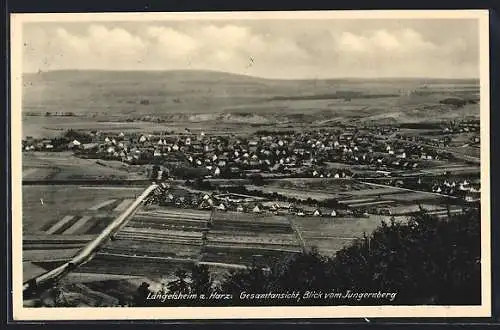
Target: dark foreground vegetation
(425, 261)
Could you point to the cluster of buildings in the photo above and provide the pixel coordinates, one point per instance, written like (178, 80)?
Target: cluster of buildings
(294, 153)
(471, 192)
(308, 153)
(242, 203)
(464, 126)
(303, 154)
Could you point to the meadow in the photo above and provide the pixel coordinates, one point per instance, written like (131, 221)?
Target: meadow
(41, 166)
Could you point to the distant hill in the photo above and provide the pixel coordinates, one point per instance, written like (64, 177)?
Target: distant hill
(134, 93)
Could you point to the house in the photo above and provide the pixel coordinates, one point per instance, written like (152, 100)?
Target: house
(89, 146)
(74, 144)
(473, 196)
(205, 205)
(217, 171)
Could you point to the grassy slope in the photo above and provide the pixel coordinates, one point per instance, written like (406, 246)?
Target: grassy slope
(206, 92)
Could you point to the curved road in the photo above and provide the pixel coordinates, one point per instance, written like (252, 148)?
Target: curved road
(88, 251)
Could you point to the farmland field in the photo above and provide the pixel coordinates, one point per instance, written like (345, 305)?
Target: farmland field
(331, 234)
(256, 239)
(31, 270)
(61, 201)
(292, 193)
(330, 184)
(236, 222)
(49, 255)
(403, 209)
(65, 166)
(152, 267)
(221, 216)
(245, 256)
(321, 189)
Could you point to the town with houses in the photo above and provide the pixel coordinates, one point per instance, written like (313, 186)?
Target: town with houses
(209, 166)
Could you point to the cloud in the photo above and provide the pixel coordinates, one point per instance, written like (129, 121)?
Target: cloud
(405, 41)
(172, 42)
(294, 52)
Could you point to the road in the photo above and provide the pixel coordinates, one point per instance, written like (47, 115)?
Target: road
(410, 190)
(87, 253)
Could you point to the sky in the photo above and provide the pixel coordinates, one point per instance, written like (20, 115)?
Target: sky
(283, 49)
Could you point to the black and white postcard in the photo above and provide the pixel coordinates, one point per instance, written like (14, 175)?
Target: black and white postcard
(244, 165)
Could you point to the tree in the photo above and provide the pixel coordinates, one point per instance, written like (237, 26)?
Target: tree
(253, 279)
(201, 280)
(140, 298)
(82, 137)
(180, 284)
(154, 172)
(427, 260)
(312, 269)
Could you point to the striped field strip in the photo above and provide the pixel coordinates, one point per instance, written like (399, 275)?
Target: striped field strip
(60, 224)
(103, 204)
(29, 172)
(77, 225)
(123, 205)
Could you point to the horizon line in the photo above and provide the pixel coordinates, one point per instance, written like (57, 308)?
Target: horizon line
(256, 76)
